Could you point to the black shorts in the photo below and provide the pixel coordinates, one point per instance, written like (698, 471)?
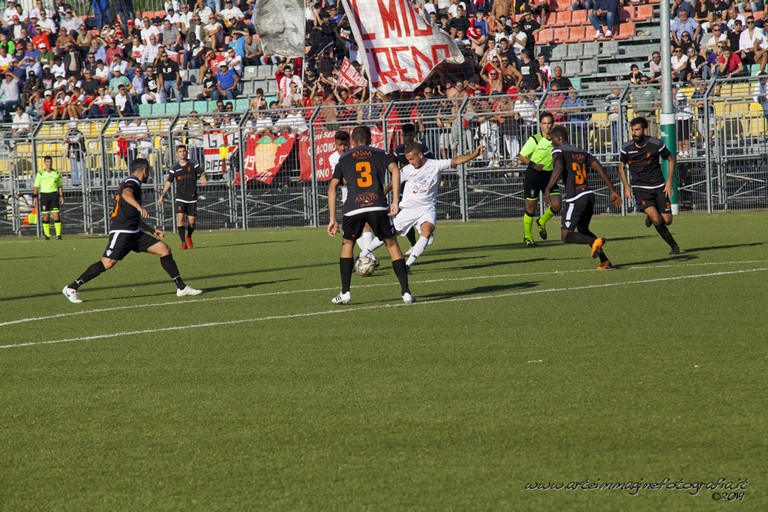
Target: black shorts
(655, 197)
(536, 182)
(121, 243)
(578, 213)
(379, 220)
(49, 202)
(189, 209)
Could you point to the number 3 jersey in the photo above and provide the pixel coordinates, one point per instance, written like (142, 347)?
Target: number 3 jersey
(575, 163)
(363, 170)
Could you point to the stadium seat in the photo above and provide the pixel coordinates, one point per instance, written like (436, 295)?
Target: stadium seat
(157, 109)
(201, 106)
(172, 108)
(241, 104)
(625, 30)
(576, 34)
(644, 12)
(559, 19)
(545, 36)
(579, 17)
(250, 72)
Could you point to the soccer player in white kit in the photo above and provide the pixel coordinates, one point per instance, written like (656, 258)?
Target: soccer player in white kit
(418, 207)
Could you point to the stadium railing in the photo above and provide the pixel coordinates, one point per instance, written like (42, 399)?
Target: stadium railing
(261, 178)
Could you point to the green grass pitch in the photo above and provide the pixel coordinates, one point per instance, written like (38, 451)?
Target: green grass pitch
(516, 366)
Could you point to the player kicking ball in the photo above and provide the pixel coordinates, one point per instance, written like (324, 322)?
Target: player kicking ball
(363, 169)
(573, 164)
(418, 208)
(128, 232)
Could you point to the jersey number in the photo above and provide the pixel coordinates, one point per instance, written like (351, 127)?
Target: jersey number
(580, 170)
(117, 205)
(365, 179)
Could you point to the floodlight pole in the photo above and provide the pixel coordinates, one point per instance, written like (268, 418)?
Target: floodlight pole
(667, 109)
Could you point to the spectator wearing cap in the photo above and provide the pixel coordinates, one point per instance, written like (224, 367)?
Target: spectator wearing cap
(168, 77)
(45, 55)
(9, 94)
(231, 16)
(227, 86)
(112, 51)
(118, 79)
(48, 108)
(209, 84)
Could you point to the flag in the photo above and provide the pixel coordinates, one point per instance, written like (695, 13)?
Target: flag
(398, 48)
(264, 156)
(281, 26)
(31, 219)
(349, 78)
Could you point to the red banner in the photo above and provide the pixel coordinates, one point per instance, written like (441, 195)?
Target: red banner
(264, 156)
(324, 146)
(349, 78)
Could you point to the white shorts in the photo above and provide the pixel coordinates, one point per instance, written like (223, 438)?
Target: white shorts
(410, 217)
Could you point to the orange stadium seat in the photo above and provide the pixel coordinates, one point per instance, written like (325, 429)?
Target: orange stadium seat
(576, 34)
(579, 17)
(644, 12)
(758, 15)
(545, 36)
(559, 19)
(625, 30)
(561, 5)
(560, 35)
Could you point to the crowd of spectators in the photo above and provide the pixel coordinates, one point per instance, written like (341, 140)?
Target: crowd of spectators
(59, 65)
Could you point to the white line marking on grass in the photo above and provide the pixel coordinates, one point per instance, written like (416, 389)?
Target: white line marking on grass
(338, 311)
(334, 288)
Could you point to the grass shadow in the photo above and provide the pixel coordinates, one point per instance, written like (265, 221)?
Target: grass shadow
(480, 290)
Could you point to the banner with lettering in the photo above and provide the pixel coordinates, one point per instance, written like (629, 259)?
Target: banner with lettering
(324, 147)
(398, 48)
(218, 148)
(349, 78)
(265, 155)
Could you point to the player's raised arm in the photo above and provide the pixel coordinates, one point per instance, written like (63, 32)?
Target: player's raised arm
(333, 225)
(600, 170)
(463, 159)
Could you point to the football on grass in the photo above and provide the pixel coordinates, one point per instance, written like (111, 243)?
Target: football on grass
(365, 266)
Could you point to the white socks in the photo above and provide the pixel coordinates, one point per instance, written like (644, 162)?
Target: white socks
(417, 250)
(372, 246)
(364, 241)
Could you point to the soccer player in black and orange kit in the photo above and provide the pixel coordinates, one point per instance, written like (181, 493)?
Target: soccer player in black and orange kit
(362, 169)
(184, 175)
(652, 193)
(573, 164)
(128, 232)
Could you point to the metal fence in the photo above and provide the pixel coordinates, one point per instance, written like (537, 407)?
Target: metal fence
(278, 175)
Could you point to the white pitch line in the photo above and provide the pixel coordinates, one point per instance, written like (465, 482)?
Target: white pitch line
(335, 288)
(338, 311)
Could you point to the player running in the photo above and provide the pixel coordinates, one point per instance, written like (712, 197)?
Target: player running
(363, 169)
(418, 208)
(128, 232)
(409, 137)
(641, 157)
(573, 164)
(184, 175)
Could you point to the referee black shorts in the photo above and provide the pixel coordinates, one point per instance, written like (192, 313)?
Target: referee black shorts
(49, 202)
(535, 182)
(379, 220)
(121, 243)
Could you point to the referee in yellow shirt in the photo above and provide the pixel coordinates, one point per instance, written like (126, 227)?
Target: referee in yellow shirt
(537, 155)
(48, 185)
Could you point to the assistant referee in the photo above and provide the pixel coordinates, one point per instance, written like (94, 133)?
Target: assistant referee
(48, 185)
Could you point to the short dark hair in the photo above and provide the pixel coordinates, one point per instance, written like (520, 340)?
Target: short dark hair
(412, 146)
(361, 135)
(545, 115)
(409, 128)
(559, 131)
(139, 165)
(641, 121)
(47, 157)
(341, 136)
(179, 146)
